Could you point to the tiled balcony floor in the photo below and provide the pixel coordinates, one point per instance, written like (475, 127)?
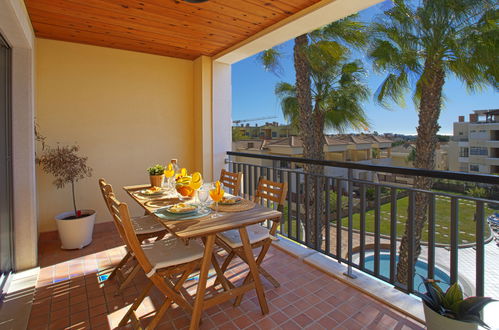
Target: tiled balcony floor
(70, 294)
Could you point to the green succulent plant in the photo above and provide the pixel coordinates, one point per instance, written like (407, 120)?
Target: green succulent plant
(452, 304)
(156, 170)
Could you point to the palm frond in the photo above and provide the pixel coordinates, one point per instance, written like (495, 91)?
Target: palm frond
(270, 58)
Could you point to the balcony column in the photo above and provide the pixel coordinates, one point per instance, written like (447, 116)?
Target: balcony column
(203, 75)
(221, 115)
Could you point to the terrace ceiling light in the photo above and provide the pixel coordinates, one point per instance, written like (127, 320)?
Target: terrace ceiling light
(195, 1)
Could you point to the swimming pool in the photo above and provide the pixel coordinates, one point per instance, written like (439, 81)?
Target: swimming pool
(421, 269)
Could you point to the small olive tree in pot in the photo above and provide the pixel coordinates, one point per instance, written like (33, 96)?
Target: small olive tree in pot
(64, 163)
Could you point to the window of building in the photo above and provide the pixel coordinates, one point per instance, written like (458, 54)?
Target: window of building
(478, 151)
(463, 152)
(474, 168)
(482, 131)
(274, 134)
(251, 145)
(461, 133)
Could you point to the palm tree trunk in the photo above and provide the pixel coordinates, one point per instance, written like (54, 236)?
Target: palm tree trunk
(429, 112)
(311, 125)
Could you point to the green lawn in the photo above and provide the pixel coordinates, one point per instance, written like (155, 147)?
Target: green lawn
(442, 225)
(442, 221)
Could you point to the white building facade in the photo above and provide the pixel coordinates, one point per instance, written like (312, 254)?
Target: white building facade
(474, 146)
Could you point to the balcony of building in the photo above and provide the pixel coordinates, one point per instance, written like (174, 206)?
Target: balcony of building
(135, 83)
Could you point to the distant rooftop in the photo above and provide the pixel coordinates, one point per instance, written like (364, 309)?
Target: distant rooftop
(296, 142)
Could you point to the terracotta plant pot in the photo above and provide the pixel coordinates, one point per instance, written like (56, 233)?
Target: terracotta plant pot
(156, 180)
(435, 321)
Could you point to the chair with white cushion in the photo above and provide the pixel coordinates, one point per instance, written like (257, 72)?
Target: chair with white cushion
(145, 227)
(167, 264)
(259, 236)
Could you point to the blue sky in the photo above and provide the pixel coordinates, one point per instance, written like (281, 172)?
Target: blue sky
(253, 94)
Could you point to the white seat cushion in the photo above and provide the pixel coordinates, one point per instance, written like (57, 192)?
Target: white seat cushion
(256, 233)
(146, 224)
(170, 252)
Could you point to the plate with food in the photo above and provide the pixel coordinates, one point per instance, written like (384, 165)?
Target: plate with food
(153, 191)
(230, 200)
(181, 208)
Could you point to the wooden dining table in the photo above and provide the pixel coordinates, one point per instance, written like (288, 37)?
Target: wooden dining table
(207, 228)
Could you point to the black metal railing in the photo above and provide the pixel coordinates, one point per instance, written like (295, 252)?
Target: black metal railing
(360, 220)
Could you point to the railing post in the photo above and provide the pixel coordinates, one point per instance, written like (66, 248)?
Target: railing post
(328, 211)
(349, 272)
(454, 239)
(480, 252)
(431, 237)
(362, 261)
(411, 241)
(393, 233)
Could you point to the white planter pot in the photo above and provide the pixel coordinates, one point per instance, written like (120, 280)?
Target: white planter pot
(75, 233)
(435, 321)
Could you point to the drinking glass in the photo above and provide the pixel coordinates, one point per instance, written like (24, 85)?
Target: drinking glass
(203, 195)
(216, 196)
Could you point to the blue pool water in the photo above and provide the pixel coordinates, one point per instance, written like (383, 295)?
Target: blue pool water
(421, 269)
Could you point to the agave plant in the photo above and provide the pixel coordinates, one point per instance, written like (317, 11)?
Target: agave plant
(452, 304)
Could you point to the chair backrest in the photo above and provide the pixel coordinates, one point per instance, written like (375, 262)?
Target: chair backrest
(121, 217)
(107, 190)
(271, 191)
(231, 180)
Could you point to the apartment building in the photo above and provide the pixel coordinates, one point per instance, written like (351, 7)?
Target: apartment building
(270, 130)
(474, 146)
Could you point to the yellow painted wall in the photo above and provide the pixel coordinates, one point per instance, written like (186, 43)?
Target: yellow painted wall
(126, 110)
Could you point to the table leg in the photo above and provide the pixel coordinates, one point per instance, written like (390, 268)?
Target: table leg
(253, 268)
(203, 278)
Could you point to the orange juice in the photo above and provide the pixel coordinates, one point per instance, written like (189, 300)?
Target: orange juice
(217, 193)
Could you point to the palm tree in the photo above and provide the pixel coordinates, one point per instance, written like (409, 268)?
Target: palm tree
(327, 93)
(419, 44)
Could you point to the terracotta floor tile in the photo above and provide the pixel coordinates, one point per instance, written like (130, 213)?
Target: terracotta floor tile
(290, 325)
(303, 320)
(279, 317)
(243, 321)
(266, 323)
(338, 316)
(327, 322)
(71, 292)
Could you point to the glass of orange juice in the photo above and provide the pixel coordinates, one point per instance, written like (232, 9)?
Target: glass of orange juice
(216, 195)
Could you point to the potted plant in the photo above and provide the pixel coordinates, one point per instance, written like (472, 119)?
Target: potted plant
(75, 227)
(156, 175)
(449, 310)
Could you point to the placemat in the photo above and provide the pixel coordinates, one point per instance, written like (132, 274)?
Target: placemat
(244, 205)
(165, 215)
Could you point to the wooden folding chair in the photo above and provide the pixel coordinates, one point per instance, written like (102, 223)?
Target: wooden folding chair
(232, 180)
(145, 227)
(167, 263)
(259, 236)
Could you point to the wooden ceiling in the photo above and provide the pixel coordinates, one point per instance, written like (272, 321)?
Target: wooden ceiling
(165, 27)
